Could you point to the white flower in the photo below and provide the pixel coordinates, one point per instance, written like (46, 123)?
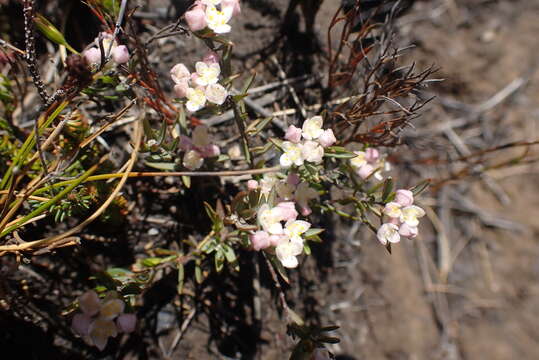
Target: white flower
(211, 2)
(388, 233)
(207, 74)
(294, 229)
(393, 210)
(270, 219)
(312, 128)
(216, 93)
(287, 251)
(292, 155)
(195, 99)
(192, 160)
(217, 20)
(410, 214)
(179, 73)
(312, 152)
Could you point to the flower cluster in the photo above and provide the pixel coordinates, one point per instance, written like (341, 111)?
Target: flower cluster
(369, 163)
(212, 14)
(120, 53)
(200, 86)
(287, 240)
(311, 148)
(197, 148)
(403, 218)
(96, 322)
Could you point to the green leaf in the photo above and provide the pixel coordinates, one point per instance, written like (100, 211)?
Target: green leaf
(51, 32)
(419, 188)
(186, 181)
(161, 166)
(388, 189)
(181, 277)
(219, 261)
(198, 273)
(312, 232)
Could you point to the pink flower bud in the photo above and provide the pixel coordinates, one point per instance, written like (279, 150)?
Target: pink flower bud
(252, 185)
(196, 18)
(408, 231)
(81, 324)
(120, 54)
(327, 138)
(404, 197)
(305, 210)
(293, 179)
(234, 4)
(180, 89)
(211, 58)
(293, 134)
(365, 171)
(93, 55)
(372, 155)
(288, 210)
(126, 322)
(179, 73)
(260, 240)
(210, 150)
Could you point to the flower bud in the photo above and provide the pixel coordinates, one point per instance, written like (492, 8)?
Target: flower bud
(196, 18)
(372, 155)
(404, 197)
(293, 134)
(252, 185)
(260, 240)
(93, 56)
(327, 138)
(293, 179)
(234, 4)
(211, 58)
(120, 54)
(181, 88)
(179, 73)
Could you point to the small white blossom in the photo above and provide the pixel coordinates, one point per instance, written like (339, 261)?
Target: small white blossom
(359, 160)
(312, 152)
(192, 160)
(410, 215)
(294, 229)
(195, 99)
(217, 20)
(270, 219)
(292, 155)
(388, 233)
(207, 73)
(216, 94)
(393, 210)
(312, 128)
(287, 251)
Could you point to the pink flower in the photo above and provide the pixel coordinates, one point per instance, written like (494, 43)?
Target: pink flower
(252, 185)
(288, 210)
(293, 134)
(89, 303)
(327, 138)
(260, 240)
(365, 171)
(408, 231)
(93, 56)
(126, 322)
(211, 58)
(120, 54)
(181, 88)
(372, 155)
(196, 18)
(179, 73)
(234, 4)
(404, 197)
